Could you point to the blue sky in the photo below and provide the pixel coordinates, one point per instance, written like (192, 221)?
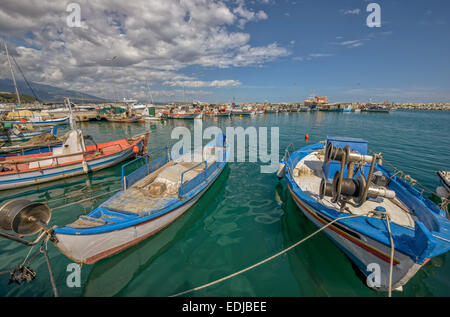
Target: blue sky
(407, 56)
(258, 50)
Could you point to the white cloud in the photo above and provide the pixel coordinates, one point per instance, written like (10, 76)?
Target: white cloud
(200, 84)
(350, 11)
(153, 39)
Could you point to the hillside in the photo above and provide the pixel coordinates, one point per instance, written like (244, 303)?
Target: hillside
(9, 97)
(46, 92)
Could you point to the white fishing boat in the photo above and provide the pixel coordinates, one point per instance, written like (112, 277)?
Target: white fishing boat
(159, 189)
(372, 215)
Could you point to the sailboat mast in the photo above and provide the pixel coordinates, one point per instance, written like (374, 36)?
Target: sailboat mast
(12, 74)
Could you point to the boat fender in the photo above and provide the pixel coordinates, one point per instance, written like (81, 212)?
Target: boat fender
(281, 170)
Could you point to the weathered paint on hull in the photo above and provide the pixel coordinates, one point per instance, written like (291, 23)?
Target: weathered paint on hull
(363, 251)
(110, 243)
(50, 174)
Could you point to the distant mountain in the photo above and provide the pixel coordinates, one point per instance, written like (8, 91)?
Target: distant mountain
(47, 92)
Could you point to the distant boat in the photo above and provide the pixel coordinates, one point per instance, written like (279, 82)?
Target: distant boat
(131, 119)
(37, 120)
(182, 115)
(149, 114)
(218, 113)
(184, 112)
(16, 134)
(153, 196)
(243, 112)
(444, 177)
(73, 158)
(378, 110)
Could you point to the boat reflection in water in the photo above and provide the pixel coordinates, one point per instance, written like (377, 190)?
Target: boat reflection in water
(109, 276)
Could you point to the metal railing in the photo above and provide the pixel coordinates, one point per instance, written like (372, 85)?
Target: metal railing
(148, 166)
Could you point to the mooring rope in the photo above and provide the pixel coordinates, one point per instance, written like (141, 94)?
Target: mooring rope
(50, 271)
(414, 182)
(277, 255)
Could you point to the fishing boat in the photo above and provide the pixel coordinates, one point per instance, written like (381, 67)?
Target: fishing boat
(153, 196)
(149, 114)
(223, 112)
(38, 120)
(444, 177)
(243, 112)
(182, 113)
(37, 144)
(73, 158)
(378, 220)
(20, 132)
(130, 119)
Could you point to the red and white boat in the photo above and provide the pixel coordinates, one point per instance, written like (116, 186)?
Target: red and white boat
(70, 159)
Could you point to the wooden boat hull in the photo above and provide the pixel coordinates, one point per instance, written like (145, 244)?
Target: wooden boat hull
(361, 249)
(26, 135)
(243, 113)
(445, 180)
(124, 120)
(47, 174)
(61, 121)
(109, 243)
(365, 239)
(185, 116)
(99, 242)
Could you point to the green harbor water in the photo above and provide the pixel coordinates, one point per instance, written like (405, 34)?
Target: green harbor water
(244, 217)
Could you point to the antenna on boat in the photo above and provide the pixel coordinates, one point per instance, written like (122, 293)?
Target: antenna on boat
(71, 120)
(12, 74)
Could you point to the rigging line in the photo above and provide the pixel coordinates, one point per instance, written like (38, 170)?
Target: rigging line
(407, 177)
(26, 81)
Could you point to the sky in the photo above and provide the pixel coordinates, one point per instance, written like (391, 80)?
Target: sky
(217, 50)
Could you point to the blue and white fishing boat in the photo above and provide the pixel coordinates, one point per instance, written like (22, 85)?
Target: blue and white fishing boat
(386, 225)
(37, 120)
(16, 134)
(153, 196)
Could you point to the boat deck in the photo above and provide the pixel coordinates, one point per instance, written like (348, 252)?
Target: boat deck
(308, 174)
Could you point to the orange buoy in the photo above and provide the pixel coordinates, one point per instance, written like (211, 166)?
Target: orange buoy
(136, 149)
(306, 137)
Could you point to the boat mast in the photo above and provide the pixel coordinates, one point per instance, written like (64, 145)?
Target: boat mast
(12, 74)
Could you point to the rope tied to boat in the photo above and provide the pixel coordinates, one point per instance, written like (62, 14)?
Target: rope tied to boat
(293, 246)
(414, 182)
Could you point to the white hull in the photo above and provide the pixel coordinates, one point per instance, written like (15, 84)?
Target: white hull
(88, 249)
(366, 251)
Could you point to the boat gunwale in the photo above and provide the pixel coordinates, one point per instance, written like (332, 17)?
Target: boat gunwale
(359, 224)
(136, 220)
